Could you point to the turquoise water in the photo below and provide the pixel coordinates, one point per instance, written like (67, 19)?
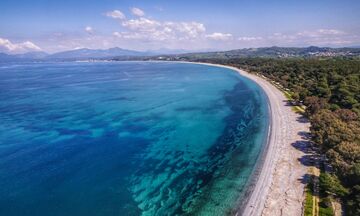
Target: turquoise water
(126, 138)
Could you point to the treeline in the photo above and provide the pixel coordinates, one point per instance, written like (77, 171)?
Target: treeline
(330, 90)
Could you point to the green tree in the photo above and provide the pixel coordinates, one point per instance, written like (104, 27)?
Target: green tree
(330, 184)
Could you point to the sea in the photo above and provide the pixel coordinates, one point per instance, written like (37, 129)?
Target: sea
(127, 138)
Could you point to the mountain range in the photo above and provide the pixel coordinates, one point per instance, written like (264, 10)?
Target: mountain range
(277, 52)
(85, 53)
(125, 54)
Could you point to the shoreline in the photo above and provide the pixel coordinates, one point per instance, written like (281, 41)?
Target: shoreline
(278, 187)
(277, 183)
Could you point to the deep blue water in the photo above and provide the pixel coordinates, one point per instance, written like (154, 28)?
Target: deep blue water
(128, 138)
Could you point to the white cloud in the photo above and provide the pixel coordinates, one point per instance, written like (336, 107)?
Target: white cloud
(188, 30)
(219, 36)
(117, 34)
(116, 14)
(89, 29)
(321, 33)
(152, 32)
(132, 36)
(150, 29)
(137, 12)
(250, 38)
(319, 37)
(27, 46)
(331, 32)
(141, 24)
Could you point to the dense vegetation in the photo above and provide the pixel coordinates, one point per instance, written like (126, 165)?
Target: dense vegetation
(330, 89)
(309, 201)
(278, 52)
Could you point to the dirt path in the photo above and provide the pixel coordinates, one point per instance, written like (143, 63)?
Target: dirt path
(316, 172)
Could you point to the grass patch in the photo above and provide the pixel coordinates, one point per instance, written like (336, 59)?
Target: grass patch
(325, 208)
(295, 108)
(287, 95)
(308, 205)
(298, 109)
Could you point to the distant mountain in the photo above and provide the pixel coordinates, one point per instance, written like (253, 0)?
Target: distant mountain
(6, 57)
(171, 54)
(78, 54)
(270, 52)
(356, 46)
(164, 51)
(29, 56)
(32, 55)
(95, 53)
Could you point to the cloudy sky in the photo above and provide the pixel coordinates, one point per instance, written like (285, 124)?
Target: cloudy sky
(54, 25)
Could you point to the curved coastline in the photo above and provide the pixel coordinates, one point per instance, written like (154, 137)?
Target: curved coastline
(277, 187)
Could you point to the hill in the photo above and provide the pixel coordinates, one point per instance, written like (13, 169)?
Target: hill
(270, 52)
(95, 53)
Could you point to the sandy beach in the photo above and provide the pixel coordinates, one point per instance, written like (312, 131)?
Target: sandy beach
(279, 189)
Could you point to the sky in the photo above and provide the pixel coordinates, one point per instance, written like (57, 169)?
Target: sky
(58, 25)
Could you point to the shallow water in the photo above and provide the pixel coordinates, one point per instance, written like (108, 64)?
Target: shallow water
(126, 138)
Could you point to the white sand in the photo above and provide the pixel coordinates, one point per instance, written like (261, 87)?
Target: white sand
(279, 190)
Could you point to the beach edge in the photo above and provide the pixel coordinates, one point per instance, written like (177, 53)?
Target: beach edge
(269, 195)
